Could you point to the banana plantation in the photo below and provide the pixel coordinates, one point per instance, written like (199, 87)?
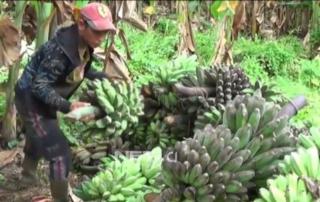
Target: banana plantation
(205, 101)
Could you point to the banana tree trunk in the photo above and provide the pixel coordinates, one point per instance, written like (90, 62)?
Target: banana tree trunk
(187, 45)
(9, 120)
(45, 15)
(253, 18)
(315, 29)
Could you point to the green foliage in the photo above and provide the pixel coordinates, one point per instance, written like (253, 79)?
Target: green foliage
(82, 3)
(253, 69)
(205, 43)
(283, 59)
(2, 104)
(148, 50)
(166, 26)
(274, 56)
(290, 89)
(4, 73)
(310, 72)
(169, 72)
(219, 9)
(97, 65)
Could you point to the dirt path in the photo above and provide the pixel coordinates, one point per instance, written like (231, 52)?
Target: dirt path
(10, 168)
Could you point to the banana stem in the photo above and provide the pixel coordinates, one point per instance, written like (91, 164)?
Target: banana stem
(193, 91)
(292, 108)
(176, 119)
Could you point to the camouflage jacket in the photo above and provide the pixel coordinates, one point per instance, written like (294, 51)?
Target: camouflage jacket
(42, 86)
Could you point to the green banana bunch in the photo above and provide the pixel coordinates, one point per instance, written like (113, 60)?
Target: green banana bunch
(207, 116)
(195, 103)
(267, 91)
(151, 165)
(175, 70)
(157, 131)
(168, 100)
(230, 83)
(190, 173)
(171, 194)
(186, 165)
(220, 84)
(163, 95)
(122, 104)
(138, 136)
(123, 178)
(227, 158)
(91, 154)
(157, 134)
(304, 163)
(243, 152)
(261, 131)
(312, 140)
(286, 188)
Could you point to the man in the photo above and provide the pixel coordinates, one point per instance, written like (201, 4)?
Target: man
(55, 71)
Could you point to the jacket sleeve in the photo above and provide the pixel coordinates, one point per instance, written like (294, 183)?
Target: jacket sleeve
(92, 74)
(51, 68)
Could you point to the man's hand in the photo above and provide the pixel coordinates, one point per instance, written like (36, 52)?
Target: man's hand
(77, 104)
(87, 118)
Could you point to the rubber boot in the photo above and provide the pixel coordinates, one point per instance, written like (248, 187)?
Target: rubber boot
(59, 190)
(29, 171)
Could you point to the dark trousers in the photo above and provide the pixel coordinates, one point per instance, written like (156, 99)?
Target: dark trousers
(44, 139)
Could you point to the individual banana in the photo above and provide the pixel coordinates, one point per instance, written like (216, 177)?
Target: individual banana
(194, 173)
(243, 176)
(241, 115)
(254, 119)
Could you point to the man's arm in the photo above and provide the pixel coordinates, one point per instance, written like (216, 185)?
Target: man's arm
(92, 74)
(52, 67)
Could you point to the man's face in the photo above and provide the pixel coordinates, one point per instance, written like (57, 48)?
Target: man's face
(92, 37)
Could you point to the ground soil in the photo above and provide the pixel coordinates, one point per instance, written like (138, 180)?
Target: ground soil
(10, 168)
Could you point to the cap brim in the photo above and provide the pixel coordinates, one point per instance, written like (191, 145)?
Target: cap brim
(101, 25)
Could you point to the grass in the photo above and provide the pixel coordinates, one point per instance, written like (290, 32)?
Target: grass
(291, 89)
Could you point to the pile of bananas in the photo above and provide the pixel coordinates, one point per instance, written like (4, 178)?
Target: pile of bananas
(194, 100)
(124, 179)
(300, 170)
(165, 77)
(304, 163)
(122, 104)
(262, 131)
(184, 172)
(90, 155)
(285, 188)
(151, 133)
(163, 96)
(204, 169)
(267, 91)
(157, 135)
(312, 140)
(220, 82)
(150, 164)
(233, 157)
(207, 116)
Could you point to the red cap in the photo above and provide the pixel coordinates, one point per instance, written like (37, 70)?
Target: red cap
(98, 16)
